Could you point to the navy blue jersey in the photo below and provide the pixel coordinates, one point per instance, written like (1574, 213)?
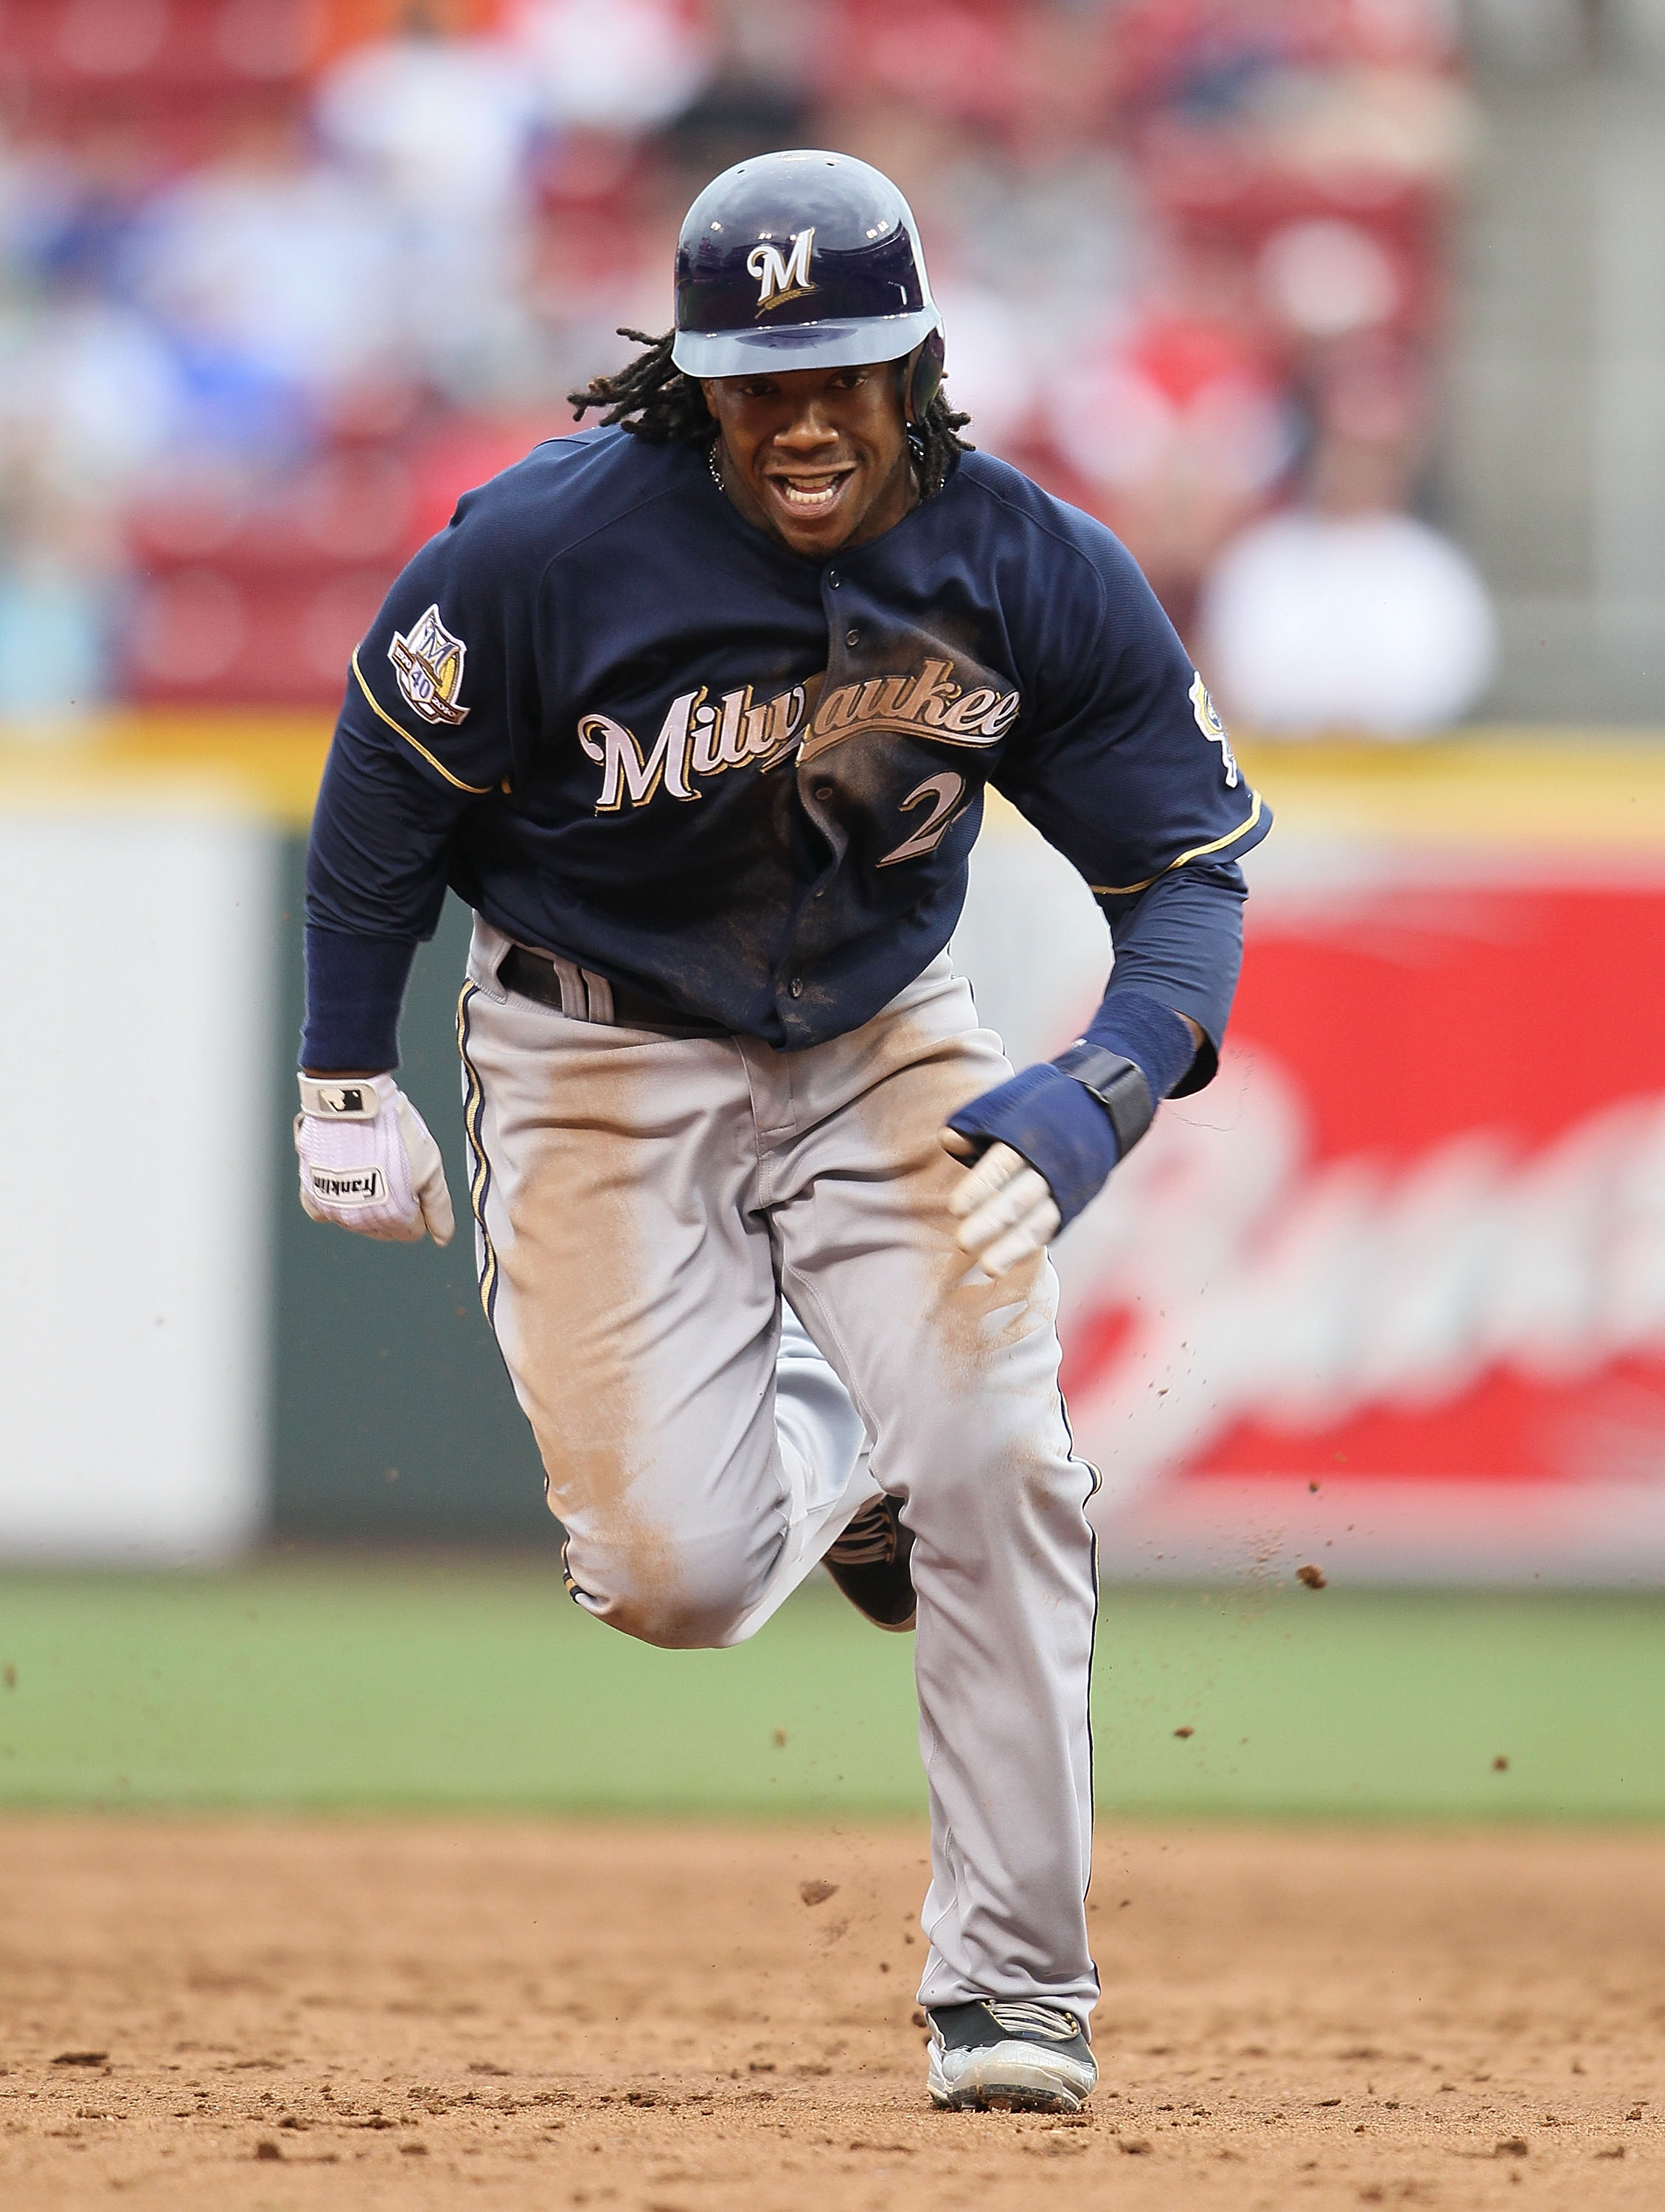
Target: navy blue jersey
(628, 727)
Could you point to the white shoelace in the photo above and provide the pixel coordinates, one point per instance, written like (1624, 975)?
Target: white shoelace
(1028, 2019)
(869, 1541)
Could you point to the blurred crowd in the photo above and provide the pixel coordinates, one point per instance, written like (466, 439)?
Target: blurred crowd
(279, 278)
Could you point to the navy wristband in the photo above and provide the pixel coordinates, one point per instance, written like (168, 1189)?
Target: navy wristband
(1055, 1123)
(1073, 1118)
(1142, 1030)
(1118, 1084)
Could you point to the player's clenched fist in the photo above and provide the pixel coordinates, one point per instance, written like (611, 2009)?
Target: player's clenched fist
(1004, 1207)
(367, 1162)
(1044, 1142)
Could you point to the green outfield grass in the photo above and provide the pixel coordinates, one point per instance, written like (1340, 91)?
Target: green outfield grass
(454, 1683)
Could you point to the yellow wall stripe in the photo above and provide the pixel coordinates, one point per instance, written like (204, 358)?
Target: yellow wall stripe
(1581, 793)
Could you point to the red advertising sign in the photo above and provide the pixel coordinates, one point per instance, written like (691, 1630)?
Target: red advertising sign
(1394, 1284)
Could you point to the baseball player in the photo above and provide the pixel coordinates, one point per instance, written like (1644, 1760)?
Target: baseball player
(695, 710)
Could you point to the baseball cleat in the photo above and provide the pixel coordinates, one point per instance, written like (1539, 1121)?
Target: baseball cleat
(991, 2057)
(870, 1564)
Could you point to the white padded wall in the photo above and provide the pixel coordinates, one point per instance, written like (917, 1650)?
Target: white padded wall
(139, 955)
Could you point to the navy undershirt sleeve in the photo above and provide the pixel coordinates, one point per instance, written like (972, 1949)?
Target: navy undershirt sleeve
(380, 841)
(1182, 944)
(375, 886)
(355, 988)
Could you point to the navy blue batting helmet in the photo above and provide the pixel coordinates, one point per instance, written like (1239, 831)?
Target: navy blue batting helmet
(802, 260)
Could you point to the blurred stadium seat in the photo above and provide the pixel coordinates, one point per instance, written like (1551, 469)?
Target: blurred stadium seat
(1186, 245)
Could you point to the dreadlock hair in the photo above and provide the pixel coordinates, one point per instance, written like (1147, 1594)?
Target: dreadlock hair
(652, 399)
(650, 396)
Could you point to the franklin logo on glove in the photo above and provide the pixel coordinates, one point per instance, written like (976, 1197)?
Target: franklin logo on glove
(363, 1188)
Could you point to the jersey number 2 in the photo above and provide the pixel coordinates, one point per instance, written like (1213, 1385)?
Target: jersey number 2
(945, 790)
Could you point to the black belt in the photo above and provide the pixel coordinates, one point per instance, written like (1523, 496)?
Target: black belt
(575, 993)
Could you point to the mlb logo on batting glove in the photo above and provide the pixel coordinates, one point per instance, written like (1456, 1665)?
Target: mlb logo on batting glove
(367, 1162)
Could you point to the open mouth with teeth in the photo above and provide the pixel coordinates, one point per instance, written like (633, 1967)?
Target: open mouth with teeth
(807, 497)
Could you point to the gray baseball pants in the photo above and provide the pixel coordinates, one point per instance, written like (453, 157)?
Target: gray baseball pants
(642, 1204)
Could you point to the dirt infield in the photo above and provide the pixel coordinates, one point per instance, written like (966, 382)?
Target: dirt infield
(280, 2015)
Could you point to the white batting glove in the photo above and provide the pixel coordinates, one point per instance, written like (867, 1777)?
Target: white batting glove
(1005, 1208)
(367, 1162)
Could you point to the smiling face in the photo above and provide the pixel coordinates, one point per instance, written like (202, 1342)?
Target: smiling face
(816, 456)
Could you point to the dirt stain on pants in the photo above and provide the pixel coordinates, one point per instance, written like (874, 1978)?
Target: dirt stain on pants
(573, 1267)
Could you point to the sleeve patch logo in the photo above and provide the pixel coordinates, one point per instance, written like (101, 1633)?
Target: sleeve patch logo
(428, 662)
(1209, 722)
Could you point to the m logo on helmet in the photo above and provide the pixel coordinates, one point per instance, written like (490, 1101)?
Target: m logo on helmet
(781, 276)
